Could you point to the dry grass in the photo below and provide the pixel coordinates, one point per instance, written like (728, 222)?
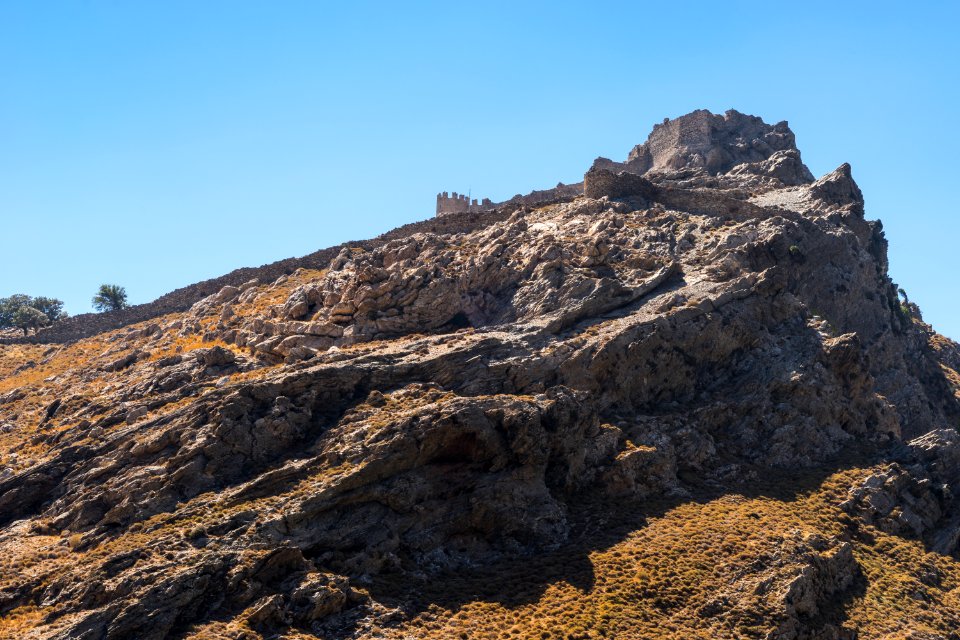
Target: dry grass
(19, 622)
(657, 572)
(271, 295)
(186, 344)
(658, 580)
(653, 577)
(953, 378)
(74, 371)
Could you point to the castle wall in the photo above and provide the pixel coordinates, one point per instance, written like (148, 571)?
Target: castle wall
(598, 182)
(87, 324)
(459, 203)
(458, 216)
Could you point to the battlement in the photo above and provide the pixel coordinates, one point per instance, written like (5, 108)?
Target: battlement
(459, 203)
(448, 203)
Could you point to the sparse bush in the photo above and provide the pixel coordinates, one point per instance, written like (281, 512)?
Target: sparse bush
(908, 310)
(110, 297)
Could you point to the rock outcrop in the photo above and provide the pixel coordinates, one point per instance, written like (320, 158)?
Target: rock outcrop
(704, 144)
(473, 392)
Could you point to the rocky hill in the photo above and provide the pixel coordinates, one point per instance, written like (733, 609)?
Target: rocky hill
(686, 404)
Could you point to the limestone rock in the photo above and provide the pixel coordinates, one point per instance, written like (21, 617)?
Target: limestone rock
(471, 392)
(896, 501)
(715, 143)
(838, 188)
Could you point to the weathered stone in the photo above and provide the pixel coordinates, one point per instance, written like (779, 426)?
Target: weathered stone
(599, 183)
(463, 392)
(714, 143)
(217, 357)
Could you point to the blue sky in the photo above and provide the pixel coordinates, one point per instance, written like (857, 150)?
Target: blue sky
(155, 144)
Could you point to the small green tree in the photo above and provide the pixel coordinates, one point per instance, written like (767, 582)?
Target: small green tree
(50, 307)
(20, 311)
(9, 307)
(110, 297)
(27, 318)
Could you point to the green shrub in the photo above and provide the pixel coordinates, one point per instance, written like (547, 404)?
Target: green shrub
(24, 312)
(110, 297)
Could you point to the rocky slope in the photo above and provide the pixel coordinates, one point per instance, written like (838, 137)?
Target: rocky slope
(688, 403)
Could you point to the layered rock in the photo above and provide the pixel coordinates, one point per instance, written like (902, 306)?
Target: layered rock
(701, 145)
(707, 313)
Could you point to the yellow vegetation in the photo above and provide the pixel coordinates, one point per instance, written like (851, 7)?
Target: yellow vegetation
(659, 580)
(277, 293)
(19, 622)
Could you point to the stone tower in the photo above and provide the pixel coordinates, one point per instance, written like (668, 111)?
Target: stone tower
(459, 203)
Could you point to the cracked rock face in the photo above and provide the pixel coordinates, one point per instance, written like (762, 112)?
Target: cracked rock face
(442, 401)
(704, 141)
(734, 149)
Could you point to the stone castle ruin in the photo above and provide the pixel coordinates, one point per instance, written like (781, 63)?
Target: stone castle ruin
(697, 150)
(459, 203)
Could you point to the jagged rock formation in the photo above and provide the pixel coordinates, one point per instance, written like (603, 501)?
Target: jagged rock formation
(704, 144)
(624, 372)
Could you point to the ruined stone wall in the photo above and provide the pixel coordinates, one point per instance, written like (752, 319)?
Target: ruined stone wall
(459, 203)
(708, 202)
(453, 221)
(88, 324)
(546, 196)
(671, 142)
(714, 143)
(598, 183)
(690, 133)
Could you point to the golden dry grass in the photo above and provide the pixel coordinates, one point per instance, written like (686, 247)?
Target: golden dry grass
(660, 579)
(653, 577)
(19, 622)
(270, 295)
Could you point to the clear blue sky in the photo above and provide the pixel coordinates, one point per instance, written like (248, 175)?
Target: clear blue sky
(155, 144)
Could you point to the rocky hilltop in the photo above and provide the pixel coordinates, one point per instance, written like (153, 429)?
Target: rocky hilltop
(686, 403)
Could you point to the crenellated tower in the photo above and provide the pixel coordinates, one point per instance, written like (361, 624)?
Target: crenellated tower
(459, 203)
